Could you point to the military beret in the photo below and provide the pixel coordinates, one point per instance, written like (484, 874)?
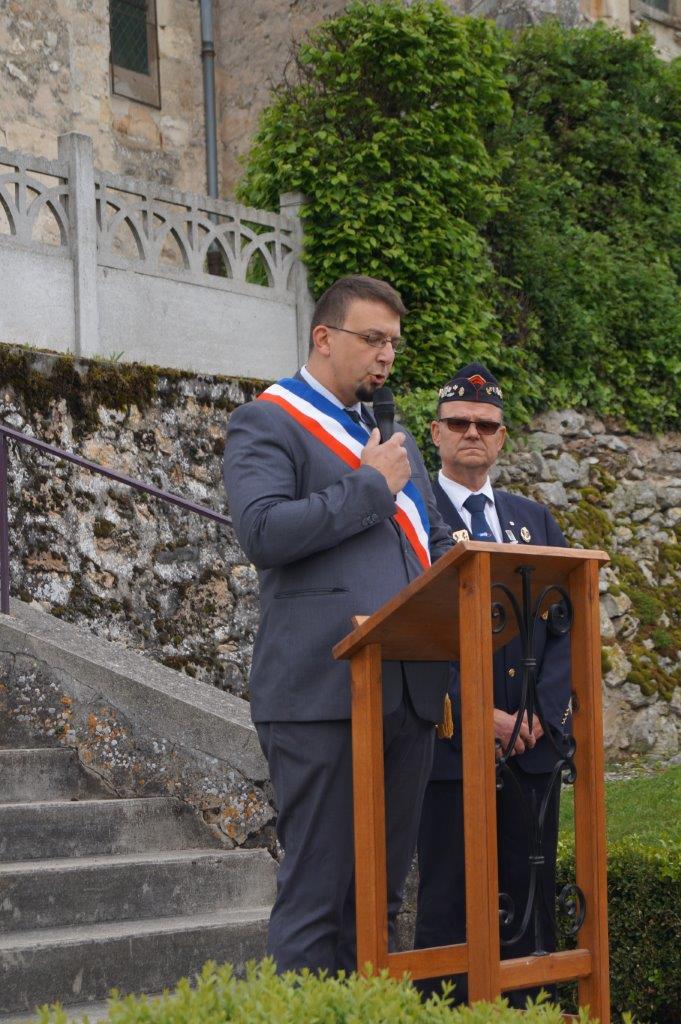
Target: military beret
(473, 383)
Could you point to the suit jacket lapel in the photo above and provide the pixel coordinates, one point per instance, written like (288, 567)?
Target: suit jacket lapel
(509, 528)
(447, 510)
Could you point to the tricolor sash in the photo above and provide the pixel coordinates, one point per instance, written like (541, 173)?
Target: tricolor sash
(333, 428)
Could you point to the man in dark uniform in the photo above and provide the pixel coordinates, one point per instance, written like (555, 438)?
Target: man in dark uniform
(470, 434)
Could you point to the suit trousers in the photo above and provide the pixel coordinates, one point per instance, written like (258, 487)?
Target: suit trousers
(313, 919)
(441, 908)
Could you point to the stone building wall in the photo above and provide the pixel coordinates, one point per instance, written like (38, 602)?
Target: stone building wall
(54, 78)
(179, 588)
(54, 75)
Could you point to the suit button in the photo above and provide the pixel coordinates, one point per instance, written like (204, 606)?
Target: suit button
(511, 672)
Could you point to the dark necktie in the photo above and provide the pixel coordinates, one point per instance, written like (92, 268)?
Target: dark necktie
(480, 528)
(364, 418)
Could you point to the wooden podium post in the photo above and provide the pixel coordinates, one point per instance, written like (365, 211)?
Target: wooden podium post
(446, 615)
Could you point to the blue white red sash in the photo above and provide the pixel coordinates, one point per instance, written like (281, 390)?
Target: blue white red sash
(336, 430)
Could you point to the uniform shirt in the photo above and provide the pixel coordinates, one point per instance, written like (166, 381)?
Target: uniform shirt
(457, 494)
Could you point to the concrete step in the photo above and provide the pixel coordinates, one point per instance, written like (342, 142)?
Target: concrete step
(15, 734)
(70, 964)
(91, 890)
(42, 831)
(78, 1013)
(39, 774)
(94, 1012)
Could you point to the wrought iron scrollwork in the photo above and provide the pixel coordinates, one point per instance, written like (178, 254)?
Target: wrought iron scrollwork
(506, 909)
(572, 905)
(558, 617)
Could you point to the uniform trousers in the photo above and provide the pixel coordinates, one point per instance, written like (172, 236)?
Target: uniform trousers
(313, 919)
(441, 908)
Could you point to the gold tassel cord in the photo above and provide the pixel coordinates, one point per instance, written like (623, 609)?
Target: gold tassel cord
(445, 730)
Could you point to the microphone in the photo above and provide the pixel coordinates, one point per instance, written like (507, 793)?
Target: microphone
(384, 412)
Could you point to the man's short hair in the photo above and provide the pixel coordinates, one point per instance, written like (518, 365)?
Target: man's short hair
(332, 306)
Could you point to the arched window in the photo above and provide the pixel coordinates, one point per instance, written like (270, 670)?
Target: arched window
(134, 50)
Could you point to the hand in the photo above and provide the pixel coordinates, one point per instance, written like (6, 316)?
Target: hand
(537, 729)
(390, 459)
(504, 724)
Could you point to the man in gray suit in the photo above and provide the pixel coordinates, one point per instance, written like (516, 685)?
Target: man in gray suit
(336, 523)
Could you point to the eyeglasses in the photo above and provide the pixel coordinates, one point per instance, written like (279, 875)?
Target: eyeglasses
(373, 338)
(459, 425)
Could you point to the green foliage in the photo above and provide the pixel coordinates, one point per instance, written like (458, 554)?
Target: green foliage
(523, 194)
(384, 125)
(592, 233)
(644, 919)
(265, 998)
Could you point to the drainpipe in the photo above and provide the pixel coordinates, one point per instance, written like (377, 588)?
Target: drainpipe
(208, 63)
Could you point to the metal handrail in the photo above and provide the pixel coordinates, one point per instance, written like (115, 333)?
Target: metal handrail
(8, 433)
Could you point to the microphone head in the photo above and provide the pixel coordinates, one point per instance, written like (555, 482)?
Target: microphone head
(383, 401)
(384, 412)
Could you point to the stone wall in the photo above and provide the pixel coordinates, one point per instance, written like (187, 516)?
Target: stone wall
(159, 580)
(610, 490)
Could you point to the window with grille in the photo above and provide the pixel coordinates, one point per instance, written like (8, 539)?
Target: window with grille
(134, 50)
(666, 11)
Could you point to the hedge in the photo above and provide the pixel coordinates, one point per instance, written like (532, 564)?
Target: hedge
(523, 193)
(265, 998)
(644, 908)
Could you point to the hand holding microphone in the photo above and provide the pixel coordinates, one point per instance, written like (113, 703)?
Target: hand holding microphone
(385, 450)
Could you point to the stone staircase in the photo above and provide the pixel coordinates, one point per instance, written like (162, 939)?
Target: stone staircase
(98, 892)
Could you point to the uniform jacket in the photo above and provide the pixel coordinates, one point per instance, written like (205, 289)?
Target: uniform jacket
(322, 539)
(552, 653)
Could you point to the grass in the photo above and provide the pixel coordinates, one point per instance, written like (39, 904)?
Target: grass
(647, 807)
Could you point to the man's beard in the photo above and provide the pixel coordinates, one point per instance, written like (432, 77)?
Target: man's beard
(365, 392)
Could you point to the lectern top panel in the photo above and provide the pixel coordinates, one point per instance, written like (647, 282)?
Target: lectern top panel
(421, 623)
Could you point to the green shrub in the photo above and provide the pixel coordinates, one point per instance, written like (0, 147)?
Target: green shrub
(384, 124)
(644, 909)
(265, 998)
(592, 231)
(524, 195)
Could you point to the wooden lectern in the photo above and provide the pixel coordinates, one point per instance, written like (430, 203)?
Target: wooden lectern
(447, 614)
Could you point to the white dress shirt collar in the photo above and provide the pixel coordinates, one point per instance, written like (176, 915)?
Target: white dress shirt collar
(314, 383)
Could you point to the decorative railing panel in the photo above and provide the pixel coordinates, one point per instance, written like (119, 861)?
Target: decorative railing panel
(34, 196)
(132, 253)
(162, 230)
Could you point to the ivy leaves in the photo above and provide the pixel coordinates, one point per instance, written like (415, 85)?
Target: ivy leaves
(523, 194)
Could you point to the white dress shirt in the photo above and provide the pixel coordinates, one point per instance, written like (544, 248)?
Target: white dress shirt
(457, 494)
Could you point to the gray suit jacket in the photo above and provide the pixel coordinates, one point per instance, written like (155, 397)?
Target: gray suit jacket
(326, 549)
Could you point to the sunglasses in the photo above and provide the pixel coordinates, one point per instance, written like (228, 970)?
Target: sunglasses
(459, 425)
